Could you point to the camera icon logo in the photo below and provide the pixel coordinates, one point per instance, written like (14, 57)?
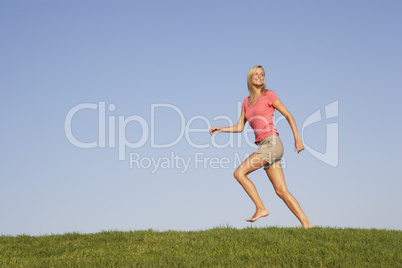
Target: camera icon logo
(331, 154)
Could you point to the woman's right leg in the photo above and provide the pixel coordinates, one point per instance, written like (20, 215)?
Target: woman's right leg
(275, 174)
(252, 163)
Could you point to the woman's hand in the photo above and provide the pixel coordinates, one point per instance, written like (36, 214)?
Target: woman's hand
(214, 130)
(299, 145)
(282, 109)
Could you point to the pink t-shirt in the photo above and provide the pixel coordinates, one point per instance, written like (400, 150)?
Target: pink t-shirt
(260, 115)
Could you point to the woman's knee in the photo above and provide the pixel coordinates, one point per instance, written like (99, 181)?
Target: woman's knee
(282, 192)
(238, 174)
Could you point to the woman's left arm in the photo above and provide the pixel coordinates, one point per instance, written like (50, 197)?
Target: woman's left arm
(282, 109)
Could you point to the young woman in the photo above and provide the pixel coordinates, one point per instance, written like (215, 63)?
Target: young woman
(258, 110)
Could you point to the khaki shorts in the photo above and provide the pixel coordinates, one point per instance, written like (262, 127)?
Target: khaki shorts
(270, 149)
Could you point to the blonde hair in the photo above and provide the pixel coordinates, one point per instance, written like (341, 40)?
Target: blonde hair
(251, 87)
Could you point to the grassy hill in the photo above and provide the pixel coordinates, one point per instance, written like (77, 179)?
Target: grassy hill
(218, 247)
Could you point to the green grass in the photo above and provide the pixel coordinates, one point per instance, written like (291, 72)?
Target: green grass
(218, 247)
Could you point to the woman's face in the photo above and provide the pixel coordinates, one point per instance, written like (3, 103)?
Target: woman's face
(258, 78)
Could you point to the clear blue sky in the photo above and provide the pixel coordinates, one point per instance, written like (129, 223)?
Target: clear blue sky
(194, 56)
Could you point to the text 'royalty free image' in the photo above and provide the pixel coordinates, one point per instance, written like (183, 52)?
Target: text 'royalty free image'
(183, 163)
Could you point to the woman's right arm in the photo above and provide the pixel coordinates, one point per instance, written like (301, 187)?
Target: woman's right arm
(236, 128)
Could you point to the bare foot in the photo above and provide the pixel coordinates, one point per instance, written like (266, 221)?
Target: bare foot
(258, 214)
(308, 225)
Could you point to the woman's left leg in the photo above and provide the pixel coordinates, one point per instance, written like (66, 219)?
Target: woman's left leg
(252, 163)
(275, 174)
